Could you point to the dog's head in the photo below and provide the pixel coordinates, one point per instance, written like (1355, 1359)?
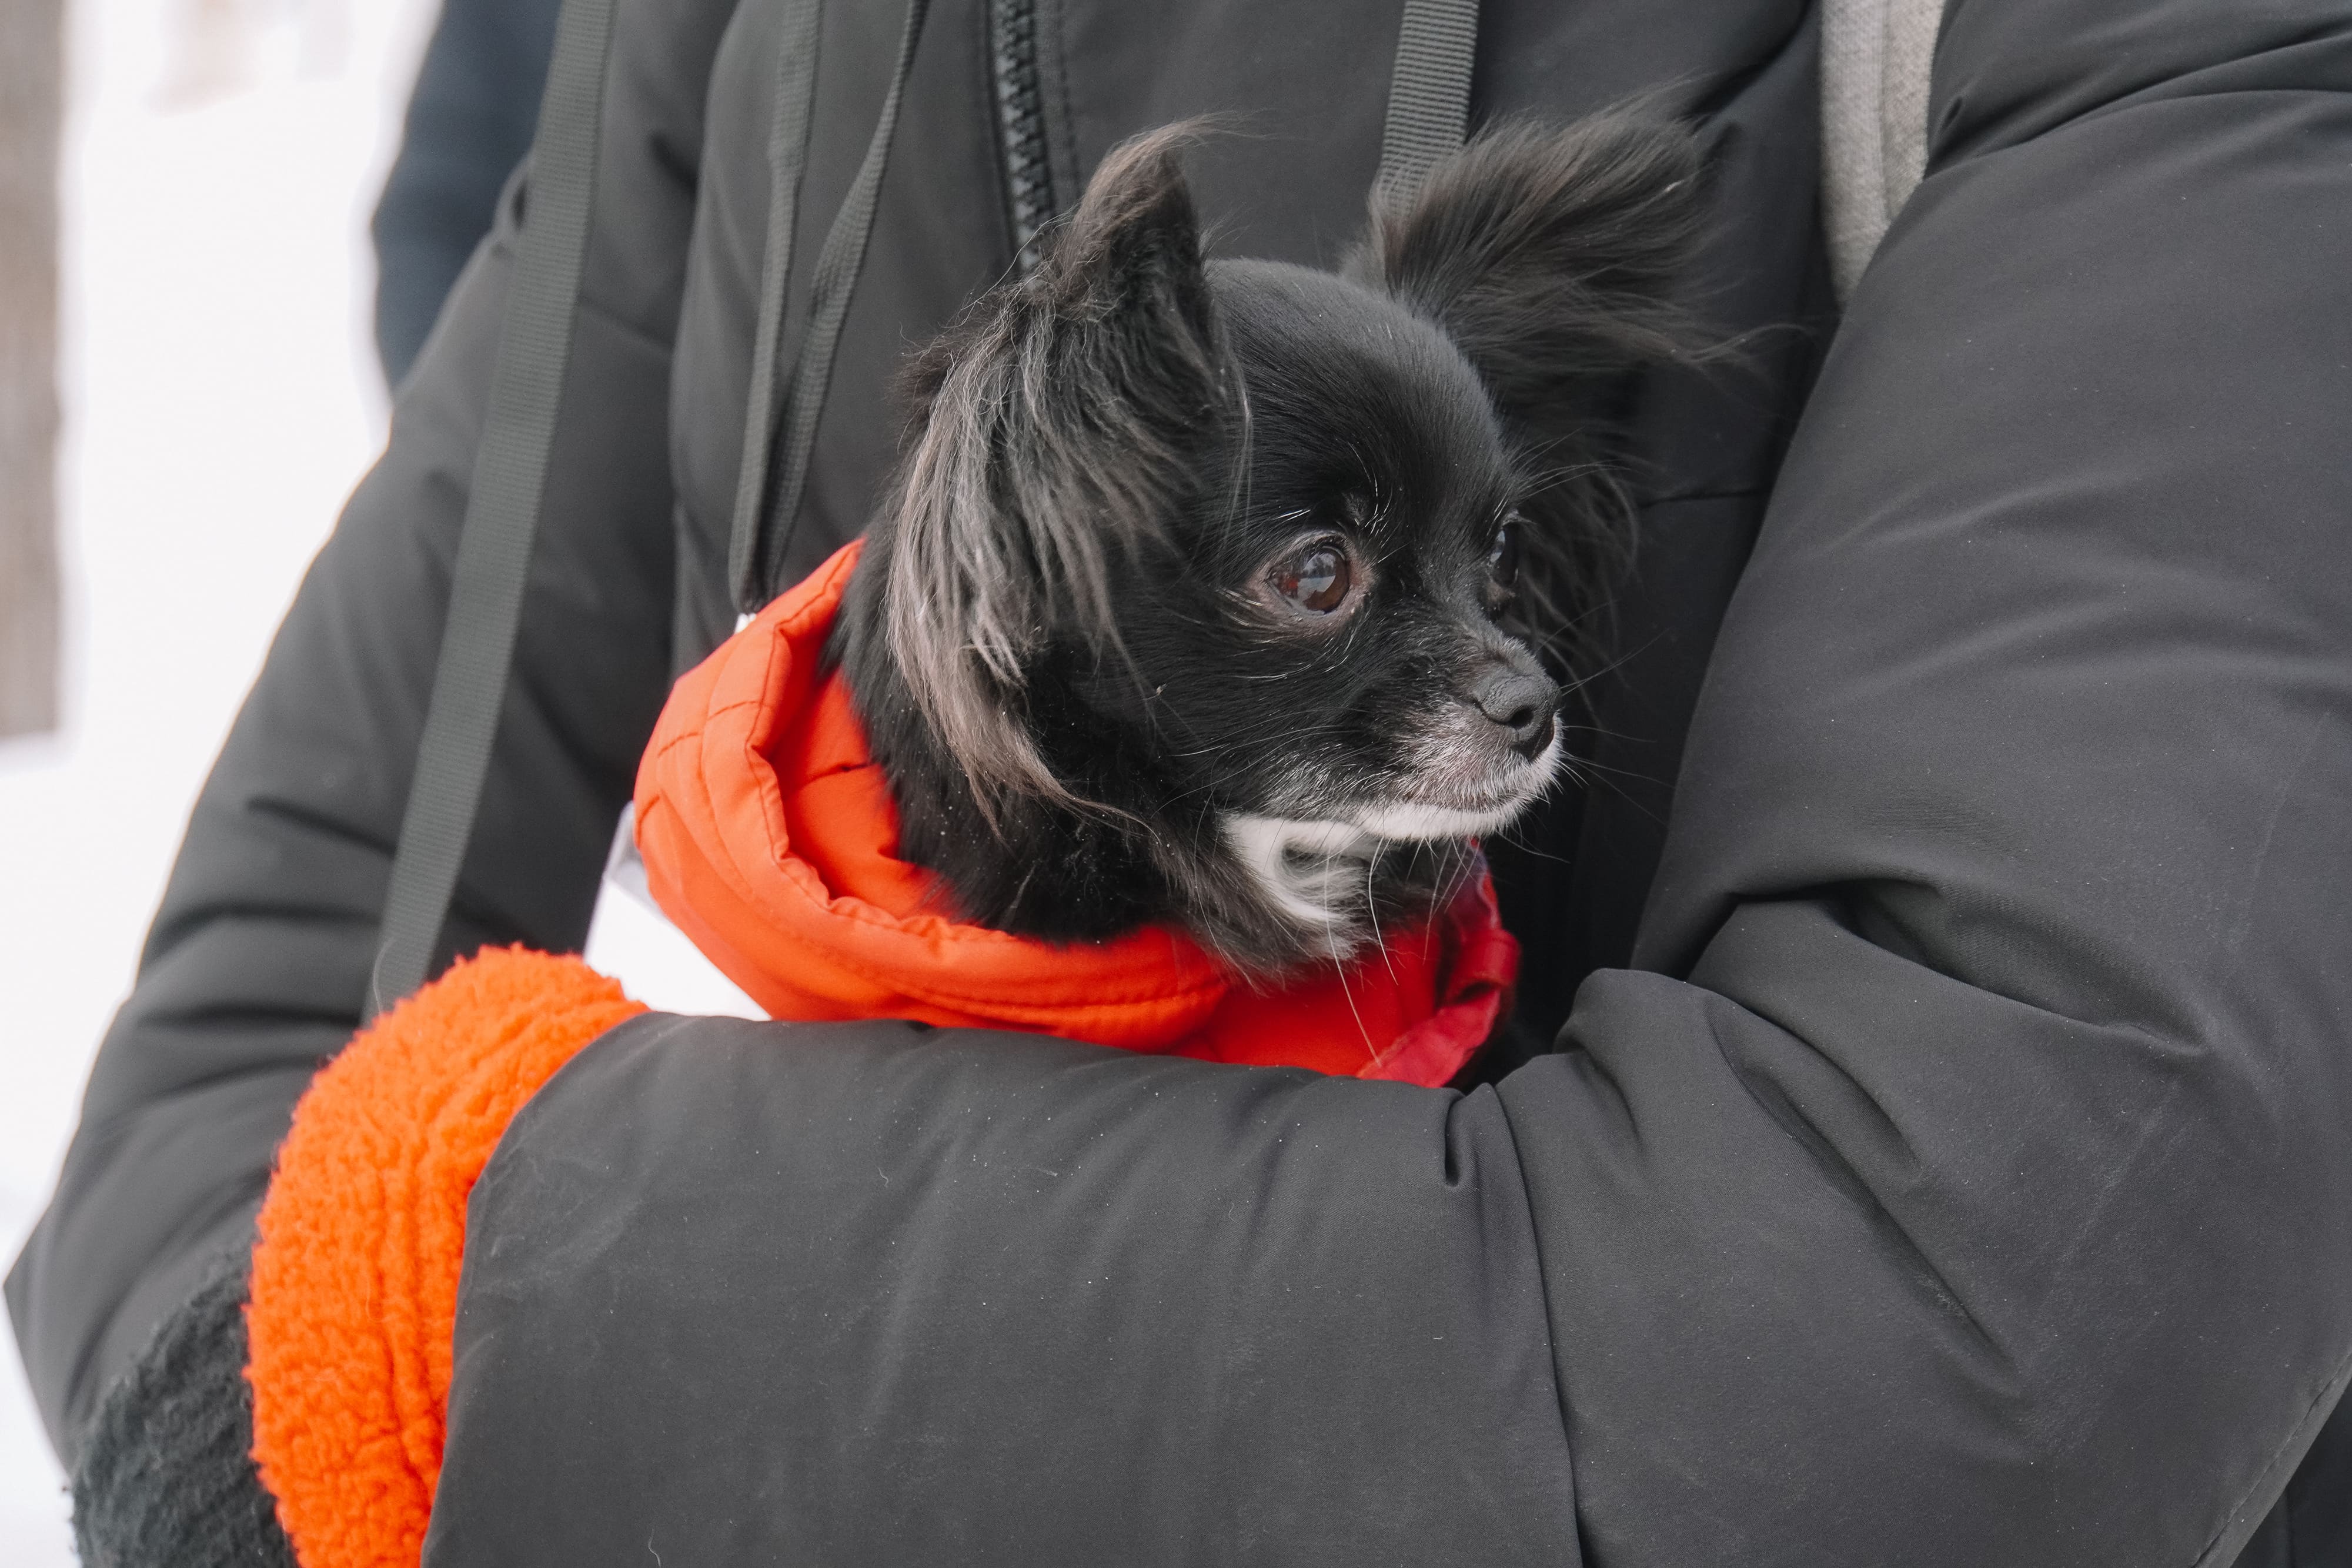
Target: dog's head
(1261, 565)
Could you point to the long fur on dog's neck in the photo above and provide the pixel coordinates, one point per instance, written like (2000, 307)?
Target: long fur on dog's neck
(1078, 430)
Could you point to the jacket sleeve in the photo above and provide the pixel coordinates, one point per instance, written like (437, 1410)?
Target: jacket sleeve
(468, 124)
(1961, 1178)
(256, 966)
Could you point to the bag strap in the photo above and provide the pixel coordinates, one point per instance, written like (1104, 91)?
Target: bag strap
(493, 559)
(788, 137)
(756, 552)
(1429, 95)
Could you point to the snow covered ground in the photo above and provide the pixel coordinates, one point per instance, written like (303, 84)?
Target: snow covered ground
(222, 399)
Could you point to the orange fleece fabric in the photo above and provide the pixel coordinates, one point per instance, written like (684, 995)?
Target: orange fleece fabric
(769, 838)
(355, 1275)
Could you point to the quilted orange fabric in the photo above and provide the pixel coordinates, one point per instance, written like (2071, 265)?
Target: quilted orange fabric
(769, 837)
(355, 1275)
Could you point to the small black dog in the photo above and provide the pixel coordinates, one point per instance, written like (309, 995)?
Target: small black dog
(1222, 594)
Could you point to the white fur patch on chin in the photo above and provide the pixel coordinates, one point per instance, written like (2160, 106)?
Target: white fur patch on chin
(1272, 850)
(1313, 869)
(1408, 822)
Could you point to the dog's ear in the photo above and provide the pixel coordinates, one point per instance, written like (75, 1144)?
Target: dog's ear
(1132, 248)
(1059, 430)
(1549, 256)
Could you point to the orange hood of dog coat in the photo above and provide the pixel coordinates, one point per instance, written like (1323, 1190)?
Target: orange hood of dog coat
(769, 838)
(768, 835)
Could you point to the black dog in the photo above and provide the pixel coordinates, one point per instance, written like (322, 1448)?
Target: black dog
(1222, 593)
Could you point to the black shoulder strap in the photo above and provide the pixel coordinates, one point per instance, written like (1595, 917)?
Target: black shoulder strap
(1429, 96)
(764, 524)
(502, 511)
(788, 134)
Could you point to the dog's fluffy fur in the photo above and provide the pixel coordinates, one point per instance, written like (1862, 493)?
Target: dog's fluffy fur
(1224, 593)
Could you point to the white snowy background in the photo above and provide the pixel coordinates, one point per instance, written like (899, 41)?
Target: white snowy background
(221, 398)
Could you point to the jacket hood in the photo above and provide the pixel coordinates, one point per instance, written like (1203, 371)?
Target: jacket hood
(769, 837)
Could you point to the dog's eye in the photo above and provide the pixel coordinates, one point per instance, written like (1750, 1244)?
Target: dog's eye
(1502, 558)
(1316, 578)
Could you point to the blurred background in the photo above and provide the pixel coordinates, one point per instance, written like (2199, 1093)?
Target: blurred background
(220, 387)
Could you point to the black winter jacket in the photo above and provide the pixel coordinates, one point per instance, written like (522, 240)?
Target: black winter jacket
(1945, 1157)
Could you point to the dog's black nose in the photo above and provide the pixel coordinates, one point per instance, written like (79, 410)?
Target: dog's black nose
(1522, 702)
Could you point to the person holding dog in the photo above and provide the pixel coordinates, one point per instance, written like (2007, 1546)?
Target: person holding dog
(1917, 1136)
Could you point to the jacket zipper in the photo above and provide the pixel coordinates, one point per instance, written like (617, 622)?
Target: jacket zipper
(1021, 125)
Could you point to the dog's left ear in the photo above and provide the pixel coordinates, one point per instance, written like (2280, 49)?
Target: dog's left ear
(1060, 428)
(1549, 256)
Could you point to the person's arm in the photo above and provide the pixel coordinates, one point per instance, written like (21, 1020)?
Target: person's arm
(1963, 1181)
(257, 962)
